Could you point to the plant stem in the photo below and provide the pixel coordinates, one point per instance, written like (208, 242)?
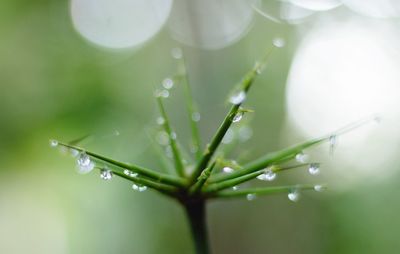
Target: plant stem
(196, 213)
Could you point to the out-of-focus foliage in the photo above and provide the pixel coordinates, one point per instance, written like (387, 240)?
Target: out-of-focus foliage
(56, 85)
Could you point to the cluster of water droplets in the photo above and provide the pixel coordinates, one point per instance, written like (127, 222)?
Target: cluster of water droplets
(84, 162)
(268, 175)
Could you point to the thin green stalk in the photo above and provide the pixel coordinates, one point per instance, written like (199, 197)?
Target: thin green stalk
(172, 140)
(244, 86)
(263, 191)
(202, 179)
(214, 187)
(163, 188)
(191, 108)
(167, 164)
(196, 213)
(268, 160)
(159, 177)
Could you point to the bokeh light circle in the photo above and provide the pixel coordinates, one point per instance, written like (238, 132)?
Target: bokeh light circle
(210, 24)
(317, 5)
(343, 72)
(119, 23)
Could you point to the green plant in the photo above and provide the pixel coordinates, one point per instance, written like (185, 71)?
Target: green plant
(193, 188)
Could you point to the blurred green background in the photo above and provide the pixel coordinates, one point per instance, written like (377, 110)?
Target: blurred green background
(56, 85)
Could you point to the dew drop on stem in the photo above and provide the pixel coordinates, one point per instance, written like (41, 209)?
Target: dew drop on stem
(53, 143)
(251, 196)
(318, 188)
(302, 157)
(227, 170)
(160, 120)
(74, 152)
(176, 53)
(314, 169)
(238, 98)
(85, 164)
(268, 175)
(279, 42)
(168, 83)
(106, 174)
(196, 116)
(139, 187)
(237, 117)
(294, 196)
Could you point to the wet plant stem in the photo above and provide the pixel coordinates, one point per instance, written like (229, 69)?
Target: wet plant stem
(196, 214)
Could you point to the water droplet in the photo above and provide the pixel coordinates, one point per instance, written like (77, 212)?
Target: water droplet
(139, 187)
(237, 117)
(258, 67)
(318, 188)
(74, 152)
(162, 93)
(268, 175)
(294, 196)
(245, 133)
(106, 174)
(173, 135)
(227, 170)
(238, 98)
(53, 143)
(251, 196)
(168, 152)
(176, 53)
(196, 116)
(167, 83)
(279, 42)
(332, 144)
(302, 157)
(194, 148)
(130, 173)
(160, 120)
(313, 169)
(162, 138)
(85, 164)
(229, 137)
(235, 188)
(116, 133)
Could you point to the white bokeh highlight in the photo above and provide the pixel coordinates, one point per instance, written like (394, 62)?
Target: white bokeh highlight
(210, 24)
(375, 8)
(317, 5)
(343, 72)
(119, 24)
